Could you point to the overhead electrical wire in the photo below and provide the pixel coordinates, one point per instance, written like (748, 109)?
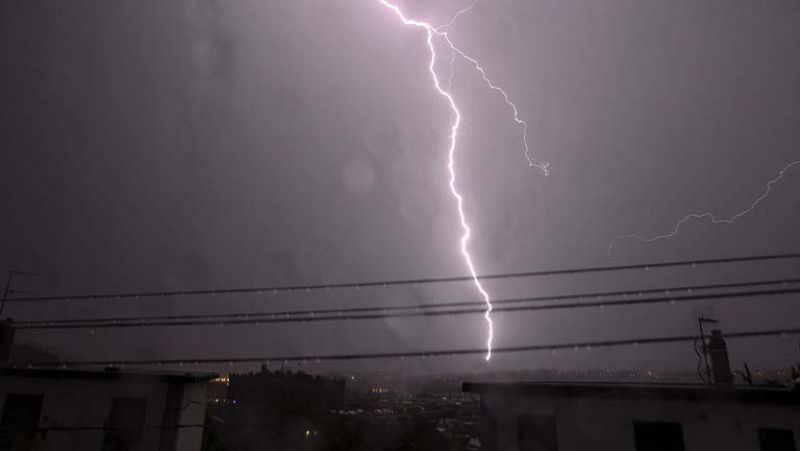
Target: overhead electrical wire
(279, 317)
(404, 307)
(319, 358)
(387, 283)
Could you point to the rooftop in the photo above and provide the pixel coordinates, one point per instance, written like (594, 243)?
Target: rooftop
(109, 373)
(670, 392)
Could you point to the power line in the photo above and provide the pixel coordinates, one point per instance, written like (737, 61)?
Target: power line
(341, 311)
(277, 318)
(581, 345)
(359, 285)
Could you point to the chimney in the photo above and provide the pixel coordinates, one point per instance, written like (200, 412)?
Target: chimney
(7, 331)
(718, 351)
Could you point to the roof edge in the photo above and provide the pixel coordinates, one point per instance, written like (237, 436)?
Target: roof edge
(109, 373)
(664, 392)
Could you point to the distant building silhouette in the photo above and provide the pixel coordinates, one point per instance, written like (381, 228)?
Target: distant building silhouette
(285, 392)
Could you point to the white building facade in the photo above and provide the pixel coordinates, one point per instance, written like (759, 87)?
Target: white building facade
(636, 417)
(65, 410)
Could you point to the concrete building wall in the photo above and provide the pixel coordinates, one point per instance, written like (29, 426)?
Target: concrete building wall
(75, 410)
(192, 413)
(592, 423)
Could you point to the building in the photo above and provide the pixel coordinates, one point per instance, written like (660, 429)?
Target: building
(629, 417)
(84, 410)
(550, 416)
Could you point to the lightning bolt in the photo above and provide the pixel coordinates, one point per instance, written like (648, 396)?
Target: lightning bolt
(431, 33)
(708, 215)
(458, 14)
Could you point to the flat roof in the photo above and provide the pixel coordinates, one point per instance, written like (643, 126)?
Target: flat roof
(665, 392)
(109, 373)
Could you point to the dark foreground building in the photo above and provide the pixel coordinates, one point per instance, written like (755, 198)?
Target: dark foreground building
(629, 417)
(554, 416)
(64, 409)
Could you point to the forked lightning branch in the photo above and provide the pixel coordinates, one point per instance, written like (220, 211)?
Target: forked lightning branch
(433, 33)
